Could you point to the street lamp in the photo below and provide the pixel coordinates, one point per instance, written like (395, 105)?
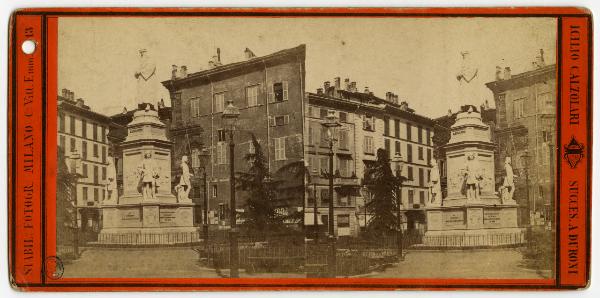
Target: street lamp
(525, 161)
(331, 124)
(204, 156)
(76, 165)
(398, 162)
(230, 116)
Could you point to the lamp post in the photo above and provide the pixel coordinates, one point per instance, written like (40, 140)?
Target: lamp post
(230, 116)
(525, 159)
(398, 163)
(331, 124)
(204, 155)
(76, 163)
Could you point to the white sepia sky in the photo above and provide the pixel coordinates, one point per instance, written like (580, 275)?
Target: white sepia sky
(416, 58)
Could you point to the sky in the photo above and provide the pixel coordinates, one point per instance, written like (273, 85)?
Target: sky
(416, 58)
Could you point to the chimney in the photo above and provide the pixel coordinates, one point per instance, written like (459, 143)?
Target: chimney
(319, 90)
(449, 113)
(183, 71)
(173, 72)
(388, 96)
(219, 55)
(404, 106)
(248, 54)
(65, 92)
(507, 73)
(353, 87)
(347, 84)
(337, 82)
(395, 99)
(71, 95)
(79, 102)
(326, 85)
(367, 90)
(539, 59)
(498, 73)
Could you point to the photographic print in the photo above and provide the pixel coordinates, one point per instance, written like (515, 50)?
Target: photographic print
(307, 149)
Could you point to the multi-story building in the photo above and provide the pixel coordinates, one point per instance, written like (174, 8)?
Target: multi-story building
(526, 126)
(269, 91)
(83, 132)
(367, 124)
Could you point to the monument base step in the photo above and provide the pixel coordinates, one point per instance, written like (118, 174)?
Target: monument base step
(150, 236)
(474, 238)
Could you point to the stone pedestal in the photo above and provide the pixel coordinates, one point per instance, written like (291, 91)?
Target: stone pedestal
(479, 221)
(136, 220)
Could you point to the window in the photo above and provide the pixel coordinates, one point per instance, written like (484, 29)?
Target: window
(422, 197)
(428, 134)
(410, 173)
(314, 112)
(221, 137)
(103, 154)
(408, 132)
(195, 107)
(279, 148)
(311, 135)
(343, 139)
(369, 123)
(369, 144)
(324, 197)
(280, 120)
(421, 177)
(343, 221)
(420, 152)
(83, 128)
(103, 134)
(429, 157)
(388, 148)
(310, 197)
(85, 193)
(409, 152)
(219, 102)
(214, 191)
(84, 170)
(221, 153)
(323, 113)
(62, 142)
(251, 148)
(518, 108)
(103, 173)
(397, 147)
(278, 92)
(252, 96)
(195, 158)
(343, 167)
(72, 126)
(103, 194)
(343, 117)
(397, 128)
(411, 197)
(95, 174)
(95, 150)
(386, 126)
(313, 165)
(324, 137)
(324, 164)
(546, 102)
(95, 132)
(84, 151)
(61, 122)
(96, 195)
(73, 148)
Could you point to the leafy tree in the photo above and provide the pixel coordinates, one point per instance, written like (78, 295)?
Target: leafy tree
(260, 212)
(65, 198)
(382, 184)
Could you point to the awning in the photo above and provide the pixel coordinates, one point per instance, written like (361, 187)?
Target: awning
(309, 219)
(348, 190)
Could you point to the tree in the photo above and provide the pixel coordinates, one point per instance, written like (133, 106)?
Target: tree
(66, 217)
(382, 184)
(260, 210)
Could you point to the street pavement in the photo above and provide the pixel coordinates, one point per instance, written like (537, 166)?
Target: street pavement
(482, 263)
(183, 262)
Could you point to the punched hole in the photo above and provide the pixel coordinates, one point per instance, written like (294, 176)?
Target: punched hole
(28, 47)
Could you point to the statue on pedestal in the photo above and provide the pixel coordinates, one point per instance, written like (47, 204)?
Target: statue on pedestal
(184, 186)
(111, 184)
(435, 188)
(507, 190)
(468, 72)
(146, 79)
(148, 175)
(471, 178)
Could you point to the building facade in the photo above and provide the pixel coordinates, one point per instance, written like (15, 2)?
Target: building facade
(367, 124)
(526, 132)
(269, 92)
(83, 133)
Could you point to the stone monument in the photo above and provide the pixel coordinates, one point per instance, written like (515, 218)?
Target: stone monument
(472, 214)
(147, 212)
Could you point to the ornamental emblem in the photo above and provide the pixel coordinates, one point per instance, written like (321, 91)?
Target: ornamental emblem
(573, 152)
